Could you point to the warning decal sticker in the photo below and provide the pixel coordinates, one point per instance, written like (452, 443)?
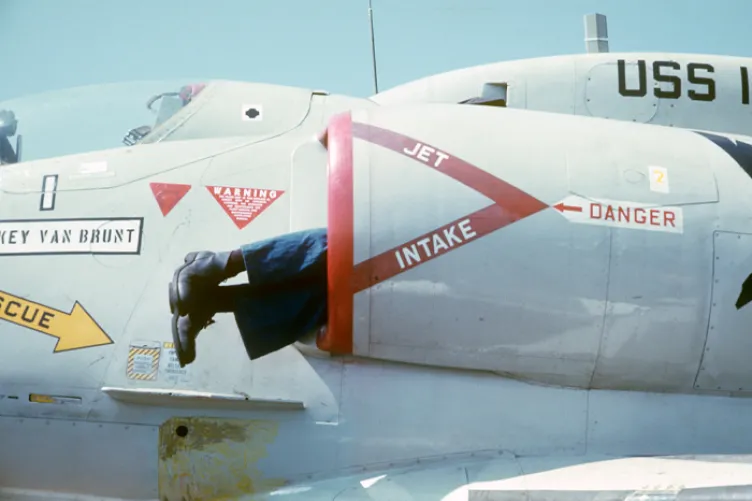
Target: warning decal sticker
(168, 195)
(620, 214)
(143, 361)
(171, 371)
(243, 205)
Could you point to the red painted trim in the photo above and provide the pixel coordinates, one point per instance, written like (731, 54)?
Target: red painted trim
(450, 237)
(499, 191)
(338, 338)
(510, 205)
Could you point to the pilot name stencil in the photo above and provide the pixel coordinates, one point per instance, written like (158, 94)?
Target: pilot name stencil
(243, 205)
(630, 215)
(71, 236)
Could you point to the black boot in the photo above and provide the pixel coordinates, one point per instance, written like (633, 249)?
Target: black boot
(186, 328)
(201, 272)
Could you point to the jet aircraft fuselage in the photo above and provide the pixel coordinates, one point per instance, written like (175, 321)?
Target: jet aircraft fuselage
(693, 91)
(505, 284)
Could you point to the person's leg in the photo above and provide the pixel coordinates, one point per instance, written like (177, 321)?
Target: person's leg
(272, 317)
(284, 300)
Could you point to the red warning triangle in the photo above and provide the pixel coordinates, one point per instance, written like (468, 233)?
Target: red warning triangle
(168, 195)
(243, 205)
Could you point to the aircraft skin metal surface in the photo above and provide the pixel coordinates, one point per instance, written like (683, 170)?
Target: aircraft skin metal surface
(598, 325)
(250, 109)
(696, 478)
(520, 299)
(631, 293)
(695, 91)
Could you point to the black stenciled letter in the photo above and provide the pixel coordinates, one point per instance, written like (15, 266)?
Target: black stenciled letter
(745, 84)
(642, 76)
(659, 77)
(709, 83)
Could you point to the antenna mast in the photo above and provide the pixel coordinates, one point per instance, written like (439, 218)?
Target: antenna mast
(373, 49)
(596, 33)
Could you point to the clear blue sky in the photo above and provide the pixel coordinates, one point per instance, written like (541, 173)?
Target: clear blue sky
(53, 44)
(56, 44)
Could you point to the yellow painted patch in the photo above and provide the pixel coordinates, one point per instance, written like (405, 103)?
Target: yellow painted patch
(143, 362)
(74, 330)
(206, 458)
(41, 399)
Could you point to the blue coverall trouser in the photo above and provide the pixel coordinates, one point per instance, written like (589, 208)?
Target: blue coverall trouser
(285, 298)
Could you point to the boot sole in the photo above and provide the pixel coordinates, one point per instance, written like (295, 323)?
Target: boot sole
(177, 308)
(176, 304)
(183, 357)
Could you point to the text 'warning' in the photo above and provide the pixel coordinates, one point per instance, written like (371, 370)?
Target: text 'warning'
(243, 205)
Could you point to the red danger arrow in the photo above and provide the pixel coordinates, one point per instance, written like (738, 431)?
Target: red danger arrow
(561, 207)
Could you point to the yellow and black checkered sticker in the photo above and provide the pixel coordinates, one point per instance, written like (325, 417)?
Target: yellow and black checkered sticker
(143, 362)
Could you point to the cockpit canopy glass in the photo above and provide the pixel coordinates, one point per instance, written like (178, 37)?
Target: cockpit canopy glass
(88, 118)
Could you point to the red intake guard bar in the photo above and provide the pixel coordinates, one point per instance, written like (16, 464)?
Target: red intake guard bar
(337, 338)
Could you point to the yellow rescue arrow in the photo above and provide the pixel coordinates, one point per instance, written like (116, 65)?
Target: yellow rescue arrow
(73, 330)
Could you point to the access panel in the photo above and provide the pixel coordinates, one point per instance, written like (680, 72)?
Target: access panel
(726, 361)
(602, 93)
